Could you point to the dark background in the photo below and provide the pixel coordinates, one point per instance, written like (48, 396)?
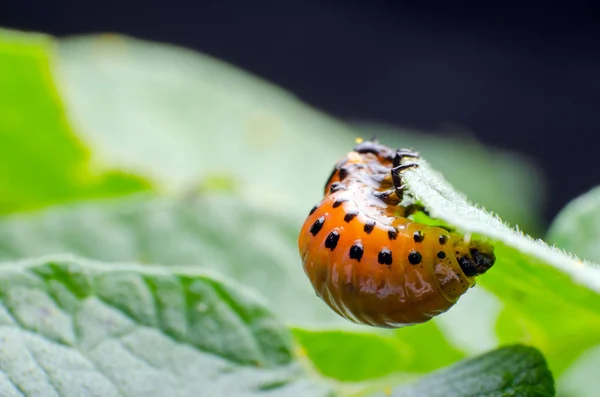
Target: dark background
(520, 76)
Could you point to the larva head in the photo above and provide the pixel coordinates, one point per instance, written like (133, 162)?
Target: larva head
(474, 257)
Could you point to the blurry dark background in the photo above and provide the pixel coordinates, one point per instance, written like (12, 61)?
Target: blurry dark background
(520, 76)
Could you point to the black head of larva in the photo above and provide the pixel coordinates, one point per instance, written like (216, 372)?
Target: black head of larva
(476, 262)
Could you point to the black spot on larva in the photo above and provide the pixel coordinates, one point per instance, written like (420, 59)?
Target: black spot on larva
(356, 251)
(369, 225)
(316, 227)
(392, 233)
(332, 240)
(349, 216)
(443, 239)
(441, 255)
(343, 173)
(339, 202)
(314, 209)
(335, 186)
(414, 257)
(418, 236)
(385, 257)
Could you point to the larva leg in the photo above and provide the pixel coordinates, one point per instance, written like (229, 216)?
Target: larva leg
(401, 153)
(386, 196)
(398, 168)
(397, 179)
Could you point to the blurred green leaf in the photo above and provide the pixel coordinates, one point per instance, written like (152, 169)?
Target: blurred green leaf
(178, 117)
(577, 227)
(509, 371)
(41, 161)
(581, 379)
(353, 356)
(541, 287)
(73, 327)
(503, 182)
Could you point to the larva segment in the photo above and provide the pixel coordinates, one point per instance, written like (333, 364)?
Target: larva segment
(374, 266)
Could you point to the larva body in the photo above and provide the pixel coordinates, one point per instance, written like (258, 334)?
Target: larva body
(368, 261)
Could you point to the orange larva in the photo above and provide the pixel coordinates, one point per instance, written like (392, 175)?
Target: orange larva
(372, 264)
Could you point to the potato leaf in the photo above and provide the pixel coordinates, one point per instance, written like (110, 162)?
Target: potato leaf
(72, 327)
(577, 226)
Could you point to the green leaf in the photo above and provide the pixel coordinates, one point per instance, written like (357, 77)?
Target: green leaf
(178, 117)
(577, 226)
(538, 284)
(577, 229)
(581, 379)
(376, 354)
(72, 327)
(509, 371)
(41, 161)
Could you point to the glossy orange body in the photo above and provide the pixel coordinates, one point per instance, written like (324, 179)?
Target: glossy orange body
(373, 265)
